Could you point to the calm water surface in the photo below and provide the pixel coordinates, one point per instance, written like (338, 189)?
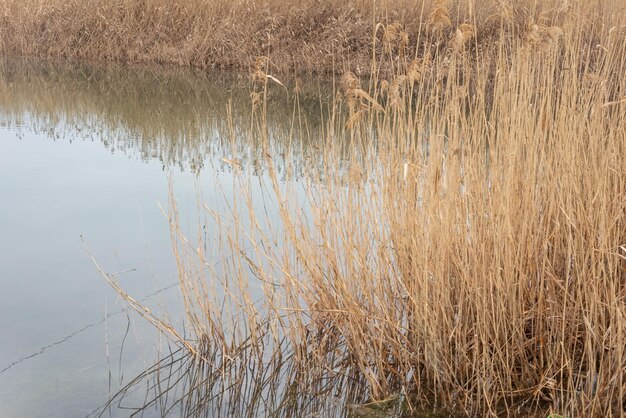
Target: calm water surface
(86, 158)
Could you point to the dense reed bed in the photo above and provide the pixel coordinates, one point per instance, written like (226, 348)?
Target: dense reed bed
(311, 36)
(468, 252)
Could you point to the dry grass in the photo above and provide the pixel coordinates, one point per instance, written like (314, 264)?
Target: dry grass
(471, 253)
(311, 36)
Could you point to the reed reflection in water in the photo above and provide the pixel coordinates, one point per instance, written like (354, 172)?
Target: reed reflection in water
(180, 117)
(194, 125)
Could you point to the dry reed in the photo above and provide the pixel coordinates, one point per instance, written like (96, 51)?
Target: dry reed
(312, 36)
(470, 254)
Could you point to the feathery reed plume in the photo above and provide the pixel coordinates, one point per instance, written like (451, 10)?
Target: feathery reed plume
(462, 35)
(259, 72)
(439, 17)
(540, 35)
(357, 97)
(396, 91)
(349, 81)
(391, 34)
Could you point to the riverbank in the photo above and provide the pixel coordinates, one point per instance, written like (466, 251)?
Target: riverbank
(299, 37)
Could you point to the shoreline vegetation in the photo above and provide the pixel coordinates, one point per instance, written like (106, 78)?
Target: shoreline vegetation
(298, 37)
(466, 247)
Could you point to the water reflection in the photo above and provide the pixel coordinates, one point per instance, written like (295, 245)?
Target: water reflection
(183, 385)
(88, 151)
(253, 385)
(178, 117)
(202, 126)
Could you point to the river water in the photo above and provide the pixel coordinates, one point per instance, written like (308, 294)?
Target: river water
(90, 159)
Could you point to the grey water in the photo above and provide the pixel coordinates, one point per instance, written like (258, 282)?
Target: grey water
(90, 160)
